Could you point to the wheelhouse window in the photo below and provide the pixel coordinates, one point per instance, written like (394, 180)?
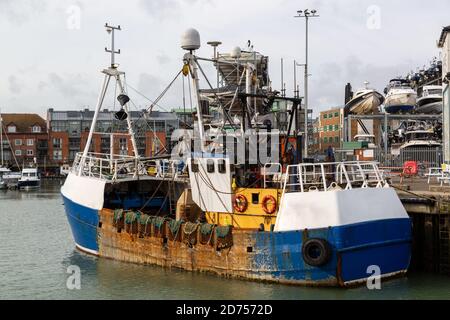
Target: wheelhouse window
(194, 165)
(221, 167)
(210, 166)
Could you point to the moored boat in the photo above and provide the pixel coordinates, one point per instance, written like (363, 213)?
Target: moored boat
(325, 224)
(29, 179)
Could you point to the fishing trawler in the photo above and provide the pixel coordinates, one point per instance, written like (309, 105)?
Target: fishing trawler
(246, 214)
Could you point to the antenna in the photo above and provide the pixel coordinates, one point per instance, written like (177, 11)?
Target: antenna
(111, 29)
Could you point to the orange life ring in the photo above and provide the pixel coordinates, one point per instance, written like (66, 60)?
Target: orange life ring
(265, 202)
(240, 203)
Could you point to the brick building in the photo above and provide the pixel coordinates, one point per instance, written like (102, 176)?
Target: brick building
(24, 139)
(69, 130)
(328, 130)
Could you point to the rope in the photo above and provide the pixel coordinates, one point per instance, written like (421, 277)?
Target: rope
(190, 228)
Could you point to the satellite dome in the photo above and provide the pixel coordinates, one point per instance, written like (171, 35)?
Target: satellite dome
(190, 40)
(236, 53)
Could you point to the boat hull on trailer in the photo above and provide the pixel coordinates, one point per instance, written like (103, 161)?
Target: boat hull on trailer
(255, 255)
(430, 108)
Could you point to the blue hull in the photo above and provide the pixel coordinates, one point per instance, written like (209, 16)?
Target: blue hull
(277, 256)
(384, 243)
(399, 109)
(83, 222)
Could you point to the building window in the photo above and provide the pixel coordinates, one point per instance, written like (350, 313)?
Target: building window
(12, 129)
(30, 142)
(336, 127)
(30, 152)
(330, 127)
(325, 116)
(18, 142)
(18, 152)
(57, 143)
(336, 114)
(57, 155)
(336, 139)
(325, 140)
(325, 128)
(36, 129)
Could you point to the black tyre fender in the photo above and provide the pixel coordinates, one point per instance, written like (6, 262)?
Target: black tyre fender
(316, 252)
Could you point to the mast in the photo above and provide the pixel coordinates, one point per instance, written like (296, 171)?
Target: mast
(111, 72)
(190, 41)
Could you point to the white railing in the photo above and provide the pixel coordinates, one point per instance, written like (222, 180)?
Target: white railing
(275, 174)
(102, 166)
(332, 176)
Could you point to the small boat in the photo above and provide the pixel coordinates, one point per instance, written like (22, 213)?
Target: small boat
(400, 97)
(3, 184)
(369, 138)
(365, 101)
(430, 100)
(420, 138)
(29, 179)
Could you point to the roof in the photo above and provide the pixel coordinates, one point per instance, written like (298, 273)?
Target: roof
(23, 121)
(444, 32)
(104, 115)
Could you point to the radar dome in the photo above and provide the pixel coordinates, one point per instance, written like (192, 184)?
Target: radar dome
(190, 40)
(236, 53)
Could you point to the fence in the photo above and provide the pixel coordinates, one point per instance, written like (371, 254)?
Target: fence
(427, 157)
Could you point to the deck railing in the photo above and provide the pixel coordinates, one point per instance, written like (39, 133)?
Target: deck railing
(332, 176)
(103, 166)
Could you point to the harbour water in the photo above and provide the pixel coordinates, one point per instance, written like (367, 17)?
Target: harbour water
(36, 249)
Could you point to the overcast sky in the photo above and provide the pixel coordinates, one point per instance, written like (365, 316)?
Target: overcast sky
(52, 50)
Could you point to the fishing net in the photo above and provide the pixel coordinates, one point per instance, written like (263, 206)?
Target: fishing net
(158, 226)
(224, 237)
(206, 233)
(118, 218)
(174, 227)
(190, 233)
(144, 225)
(206, 228)
(131, 219)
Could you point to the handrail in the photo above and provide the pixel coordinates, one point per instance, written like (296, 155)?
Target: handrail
(325, 176)
(102, 166)
(265, 173)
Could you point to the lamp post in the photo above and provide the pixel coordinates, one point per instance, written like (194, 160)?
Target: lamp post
(306, 14)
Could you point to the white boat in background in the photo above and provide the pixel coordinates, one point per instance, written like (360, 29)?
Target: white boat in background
(365, 101)
(400, 97)
(29, 179)
(3, 171)
(430, 100)
(420, 138)
(369, 138)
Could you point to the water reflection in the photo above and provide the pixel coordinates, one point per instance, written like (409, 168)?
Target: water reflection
(37, 248)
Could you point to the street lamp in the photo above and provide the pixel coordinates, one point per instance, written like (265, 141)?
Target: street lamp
(306, 14)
